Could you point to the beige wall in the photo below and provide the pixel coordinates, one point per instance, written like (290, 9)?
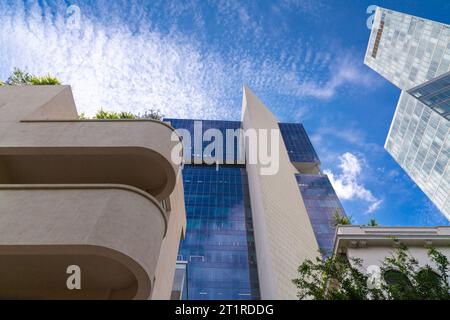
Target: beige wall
(165, 270)
(284, 236)
(86, 192)
(373, 244)
(120, 228)
(375, 255)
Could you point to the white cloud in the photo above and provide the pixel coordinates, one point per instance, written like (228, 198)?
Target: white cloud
(352, 135)
(346, 71)
(114, 66)
(315, 8)
(110, 67)
(374, 206)
(347, 183)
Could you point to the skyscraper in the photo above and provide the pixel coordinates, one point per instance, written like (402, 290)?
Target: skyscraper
(414, 55)
(247, 232)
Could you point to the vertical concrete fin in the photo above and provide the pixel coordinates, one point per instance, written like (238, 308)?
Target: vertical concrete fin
(284, 237)
(254, 106)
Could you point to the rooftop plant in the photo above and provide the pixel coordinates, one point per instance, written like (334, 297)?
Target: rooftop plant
(340, 219)
(112, 115)
(20, 77)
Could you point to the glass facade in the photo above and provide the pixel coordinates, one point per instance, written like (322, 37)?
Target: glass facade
(298, 145)
(419, 140)
(414, 54)
(409, 50)
(189, 146)
(435, 94)
(321, 204)
(219, 245)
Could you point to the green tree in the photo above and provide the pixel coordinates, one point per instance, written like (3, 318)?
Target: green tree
(333, 279)
(373, 223)
(338, 278)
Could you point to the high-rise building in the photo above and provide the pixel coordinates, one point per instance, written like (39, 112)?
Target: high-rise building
(248, 230)
(414, 55)
(99, 200)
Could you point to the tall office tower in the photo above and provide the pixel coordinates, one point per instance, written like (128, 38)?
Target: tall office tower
(414, 54)
(248, 231)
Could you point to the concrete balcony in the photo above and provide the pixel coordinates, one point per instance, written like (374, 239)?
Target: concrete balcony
(135, 153)
(112, 232)
(85, 193)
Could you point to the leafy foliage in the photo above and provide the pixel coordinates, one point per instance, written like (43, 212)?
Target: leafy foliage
(373, 223)
(339, 219)
(82, 116)
(44, 80)
(333, 279)
(19, 77)
(338, 278)
(414, 282)
(111, 115)
(151, 114)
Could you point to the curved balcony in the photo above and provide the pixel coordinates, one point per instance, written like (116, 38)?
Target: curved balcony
(135, 153)
(112, 232)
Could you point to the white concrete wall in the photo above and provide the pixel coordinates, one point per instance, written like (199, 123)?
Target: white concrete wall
(165, 270)
(284, 237)
(374, 256)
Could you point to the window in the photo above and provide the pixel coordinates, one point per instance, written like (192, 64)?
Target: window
(428, 276)
(377, 40)
(397, 281)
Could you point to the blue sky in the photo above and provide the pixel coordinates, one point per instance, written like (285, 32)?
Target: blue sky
(304, 58)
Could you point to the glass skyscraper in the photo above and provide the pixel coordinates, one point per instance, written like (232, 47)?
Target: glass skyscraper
(414, 54)
(219, 247)
(435, 94)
